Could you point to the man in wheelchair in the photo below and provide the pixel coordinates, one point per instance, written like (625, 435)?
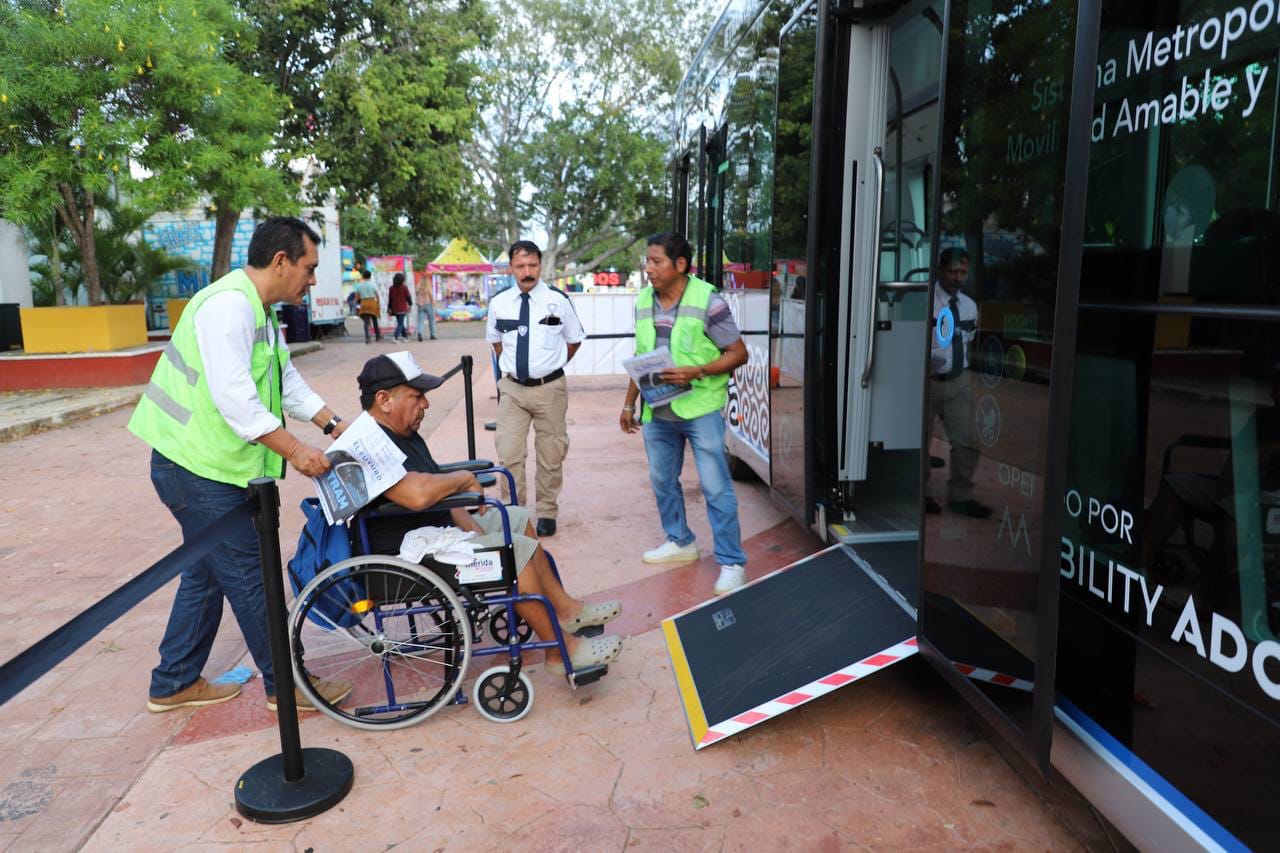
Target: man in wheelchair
(393, 390)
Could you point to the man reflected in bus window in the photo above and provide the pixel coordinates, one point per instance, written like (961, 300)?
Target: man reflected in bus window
(950, 398)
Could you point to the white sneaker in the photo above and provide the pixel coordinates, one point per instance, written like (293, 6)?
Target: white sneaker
(670, 552)
(731, 577)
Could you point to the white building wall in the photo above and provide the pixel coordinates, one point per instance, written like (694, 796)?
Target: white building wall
(15, 276)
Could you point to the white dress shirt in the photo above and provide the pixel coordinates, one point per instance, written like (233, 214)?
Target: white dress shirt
(224, 333)
(548, 342)
(966, 326)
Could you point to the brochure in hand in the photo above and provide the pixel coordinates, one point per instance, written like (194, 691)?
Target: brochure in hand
(365, 463)
(646, 371)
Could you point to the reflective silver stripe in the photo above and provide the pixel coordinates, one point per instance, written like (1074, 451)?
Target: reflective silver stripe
(262, 335)
(176, 359)
(167, 404)
(691, 311)
(644, 313)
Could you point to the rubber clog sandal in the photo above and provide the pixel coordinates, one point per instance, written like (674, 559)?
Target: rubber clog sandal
(591, 651)
(593, 613)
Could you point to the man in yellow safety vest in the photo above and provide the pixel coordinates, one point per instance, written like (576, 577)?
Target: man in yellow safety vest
(683, 312)
(213, 415)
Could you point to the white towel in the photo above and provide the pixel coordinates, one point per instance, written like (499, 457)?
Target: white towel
(446, 544)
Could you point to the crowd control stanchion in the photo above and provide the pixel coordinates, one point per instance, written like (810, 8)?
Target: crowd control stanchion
(297, 783)
(492, 426)
(467, 364)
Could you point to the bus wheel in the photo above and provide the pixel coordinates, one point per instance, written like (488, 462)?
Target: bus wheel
(738, 469)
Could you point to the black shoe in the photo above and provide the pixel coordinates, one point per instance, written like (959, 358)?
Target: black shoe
(419, 337)
(931, 506)
(971, 508)
(546, 527)
(936, 462)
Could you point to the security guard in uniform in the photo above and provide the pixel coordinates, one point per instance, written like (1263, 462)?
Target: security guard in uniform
(213, 415)
(683, 312)
(534, 332)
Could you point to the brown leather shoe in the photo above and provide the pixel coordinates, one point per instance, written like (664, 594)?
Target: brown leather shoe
(197, 695)
(332, 691)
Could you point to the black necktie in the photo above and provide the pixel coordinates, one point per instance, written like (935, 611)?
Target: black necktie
(957, 340)
(524, 331)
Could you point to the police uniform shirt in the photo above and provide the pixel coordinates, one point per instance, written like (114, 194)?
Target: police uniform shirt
(966, 325)
(553, 325)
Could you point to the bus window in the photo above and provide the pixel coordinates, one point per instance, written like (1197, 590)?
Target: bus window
(1174, 466)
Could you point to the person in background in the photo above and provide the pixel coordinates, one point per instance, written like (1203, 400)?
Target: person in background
(683, 312)
(426, 306)
(370, 306)
(214, 417)
(534, 332)
(399, 301)
(950, 397)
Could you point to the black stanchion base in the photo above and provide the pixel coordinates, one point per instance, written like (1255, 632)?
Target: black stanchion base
(491, 426)
(263, 795)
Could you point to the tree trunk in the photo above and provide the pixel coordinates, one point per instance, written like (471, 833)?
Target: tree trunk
(225, 219)
(55, 264)
(81, 227)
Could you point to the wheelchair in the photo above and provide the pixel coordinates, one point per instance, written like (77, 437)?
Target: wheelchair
(405, 637)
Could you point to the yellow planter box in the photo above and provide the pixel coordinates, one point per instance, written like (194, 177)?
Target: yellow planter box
(174, 308)
(89, 328)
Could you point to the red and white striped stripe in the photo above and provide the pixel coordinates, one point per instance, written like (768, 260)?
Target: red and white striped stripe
(977, 673)
(809, 692)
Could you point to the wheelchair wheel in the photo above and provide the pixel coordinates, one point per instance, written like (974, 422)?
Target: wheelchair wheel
(500, 631)
(498, 699)
(391, 629)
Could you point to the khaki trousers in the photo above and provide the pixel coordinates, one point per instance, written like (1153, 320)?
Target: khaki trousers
(544, 407)
(952, 402)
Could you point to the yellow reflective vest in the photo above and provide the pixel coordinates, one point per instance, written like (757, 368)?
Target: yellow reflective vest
(690, 347)
(176, 414)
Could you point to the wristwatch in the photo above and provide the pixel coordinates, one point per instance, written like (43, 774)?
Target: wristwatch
(333, 422)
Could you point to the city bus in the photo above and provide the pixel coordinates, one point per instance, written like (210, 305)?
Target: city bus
(1075, 480)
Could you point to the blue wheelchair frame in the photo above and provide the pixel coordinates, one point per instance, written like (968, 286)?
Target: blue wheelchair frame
(482, 603)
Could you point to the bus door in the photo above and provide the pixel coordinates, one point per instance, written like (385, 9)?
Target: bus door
(890, 141)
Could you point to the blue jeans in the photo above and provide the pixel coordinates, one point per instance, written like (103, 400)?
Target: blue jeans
(401, 331)
(233, 569)
(664, 444)
(429, 312)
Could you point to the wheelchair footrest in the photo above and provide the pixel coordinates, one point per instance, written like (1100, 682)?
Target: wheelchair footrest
(589, 631)
(589, 675)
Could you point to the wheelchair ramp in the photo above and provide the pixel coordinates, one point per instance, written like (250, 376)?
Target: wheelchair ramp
(785, 639)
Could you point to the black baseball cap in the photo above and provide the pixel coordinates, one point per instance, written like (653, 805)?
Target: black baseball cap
(384, 372)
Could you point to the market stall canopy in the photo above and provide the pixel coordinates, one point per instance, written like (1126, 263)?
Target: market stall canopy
(459, 256)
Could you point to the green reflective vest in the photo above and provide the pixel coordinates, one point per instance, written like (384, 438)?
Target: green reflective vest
(176, 414)
(690, 347)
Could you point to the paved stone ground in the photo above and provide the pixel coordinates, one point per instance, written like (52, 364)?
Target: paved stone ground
(890, 763)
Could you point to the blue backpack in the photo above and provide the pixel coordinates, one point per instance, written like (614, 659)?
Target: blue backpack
(320, 546)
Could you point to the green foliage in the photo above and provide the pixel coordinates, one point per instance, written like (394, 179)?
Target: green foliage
(129, 267)
(577, 99)
(88, 87)
(393, 107)
(370, 235)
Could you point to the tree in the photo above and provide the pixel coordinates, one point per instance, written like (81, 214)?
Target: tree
(398, 110)
(90, 87)
(129, 268)
(575, 131)
(369, 234)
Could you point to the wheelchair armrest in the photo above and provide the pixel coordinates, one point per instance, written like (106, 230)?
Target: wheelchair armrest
(462, 500)
(466, 465)
(1196, 440)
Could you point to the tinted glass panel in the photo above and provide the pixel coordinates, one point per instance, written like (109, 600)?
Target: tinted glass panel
(794, 139)
(1002, 166)
(1170, 563)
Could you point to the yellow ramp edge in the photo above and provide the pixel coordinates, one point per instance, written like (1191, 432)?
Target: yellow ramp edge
(684, 682)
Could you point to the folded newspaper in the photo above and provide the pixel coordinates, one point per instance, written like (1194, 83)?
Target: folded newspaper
(364, 464)
(646, 371)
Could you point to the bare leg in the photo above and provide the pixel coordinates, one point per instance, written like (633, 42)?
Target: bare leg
(538, 579)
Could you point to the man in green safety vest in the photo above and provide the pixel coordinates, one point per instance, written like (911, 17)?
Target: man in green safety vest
(214, 417)
(684, 313)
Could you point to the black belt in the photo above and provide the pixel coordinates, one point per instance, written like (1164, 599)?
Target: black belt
(534, 383)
